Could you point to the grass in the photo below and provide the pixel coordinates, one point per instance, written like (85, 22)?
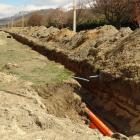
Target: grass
(31, 65)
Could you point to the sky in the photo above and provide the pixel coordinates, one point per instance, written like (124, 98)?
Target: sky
(11, 7)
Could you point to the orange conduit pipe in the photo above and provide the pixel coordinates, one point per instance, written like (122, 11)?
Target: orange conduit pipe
(99, 124)
(92, 126)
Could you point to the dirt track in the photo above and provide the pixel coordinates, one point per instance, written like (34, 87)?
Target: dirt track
(37, 99)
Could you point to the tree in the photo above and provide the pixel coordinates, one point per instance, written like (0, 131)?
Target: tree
(56, 17)
(115, 11)
(35, 20)
(84, 13)
(136, 12)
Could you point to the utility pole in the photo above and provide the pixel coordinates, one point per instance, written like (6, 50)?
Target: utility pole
(8, 24)
(22, 19)
(74, 15)
(12, 22)
(23, 16)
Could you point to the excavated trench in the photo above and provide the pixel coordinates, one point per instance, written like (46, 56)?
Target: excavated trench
(110, 99)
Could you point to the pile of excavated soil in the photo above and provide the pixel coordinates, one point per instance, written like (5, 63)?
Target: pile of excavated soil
(61, 101)
(34, 104)
(25, 113)
(111, 53)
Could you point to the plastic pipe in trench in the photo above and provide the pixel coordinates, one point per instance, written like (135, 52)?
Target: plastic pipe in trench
(95, 121)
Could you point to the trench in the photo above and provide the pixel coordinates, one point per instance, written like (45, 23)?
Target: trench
(109, 99)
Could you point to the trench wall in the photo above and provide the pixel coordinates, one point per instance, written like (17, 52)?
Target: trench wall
(115, 100)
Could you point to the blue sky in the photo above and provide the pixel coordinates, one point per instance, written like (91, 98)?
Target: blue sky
(15, 2)
(48, 2)
(11, 7)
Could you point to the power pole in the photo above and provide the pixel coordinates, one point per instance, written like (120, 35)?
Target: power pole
(23, 16)
(74, 15)
(12, 22)
(8, 24)
(22, 19)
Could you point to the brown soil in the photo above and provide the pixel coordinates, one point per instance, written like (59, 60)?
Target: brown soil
(37, 105)
(112, 53)
(61, 101)
(25, 115)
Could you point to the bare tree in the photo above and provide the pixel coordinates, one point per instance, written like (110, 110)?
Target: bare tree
(84, 12)
(56, 17)
(35, 20)
(115, 11)
(136, 12)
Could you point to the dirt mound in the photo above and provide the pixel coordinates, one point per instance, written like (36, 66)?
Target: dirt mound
(33, 91)
(114, 55)
(27, 119)
(81, 38)
(119, 55)
(126, 51)
(64, 36)
(61, 101)
(24, 114)
(82, 42)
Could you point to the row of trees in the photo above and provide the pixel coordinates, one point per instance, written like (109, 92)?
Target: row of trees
(118, 12)
(91, 13)
(53, 17)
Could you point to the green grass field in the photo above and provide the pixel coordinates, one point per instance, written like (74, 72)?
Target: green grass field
(30, 65)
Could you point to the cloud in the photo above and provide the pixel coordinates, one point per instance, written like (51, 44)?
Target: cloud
(10, 10)
(52, 2)
(6, 10)
(35, 7)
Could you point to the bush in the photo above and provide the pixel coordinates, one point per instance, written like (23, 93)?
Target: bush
(91, 24)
